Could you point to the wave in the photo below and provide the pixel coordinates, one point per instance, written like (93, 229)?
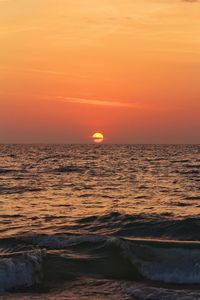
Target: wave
(20, 270)
(44, 260)
(109, 257)
(69, 169)
(18, 190)
(160, 226)
(57, 241)
(11, 216)
(168, 262)
(172, 266)
(6, 171)
(192, 166)
(192, 197)
(190, 171)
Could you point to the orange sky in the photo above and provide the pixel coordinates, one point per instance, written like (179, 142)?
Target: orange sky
(130, 69)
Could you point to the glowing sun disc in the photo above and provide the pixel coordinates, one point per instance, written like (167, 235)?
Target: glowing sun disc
(98, 137)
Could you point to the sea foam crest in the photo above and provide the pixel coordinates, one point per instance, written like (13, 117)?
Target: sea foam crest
(172, 266)
(21, 270)
(160, 263)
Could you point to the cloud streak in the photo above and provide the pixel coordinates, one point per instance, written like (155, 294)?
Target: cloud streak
(33, 70)
(76, 100)
(97, 102)
(190, 1)
(43, 71)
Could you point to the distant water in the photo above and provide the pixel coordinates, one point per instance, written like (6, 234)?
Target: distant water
(100, 222)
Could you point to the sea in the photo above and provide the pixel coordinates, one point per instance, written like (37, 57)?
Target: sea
(100, 222)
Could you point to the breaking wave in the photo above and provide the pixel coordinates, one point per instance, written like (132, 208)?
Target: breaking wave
(107, 257)
(20, 270)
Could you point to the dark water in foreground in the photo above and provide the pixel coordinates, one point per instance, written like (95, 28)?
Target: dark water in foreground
(100, 222)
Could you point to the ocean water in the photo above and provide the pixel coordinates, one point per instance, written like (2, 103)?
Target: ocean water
(100, 222)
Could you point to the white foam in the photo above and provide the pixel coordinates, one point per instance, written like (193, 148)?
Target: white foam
(172, 266)
(21, 271)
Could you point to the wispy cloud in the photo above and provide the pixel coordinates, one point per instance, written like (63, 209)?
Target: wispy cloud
(76, 100)
(97, 102)
(43, 71)
(191, 1)
(32, 70)
(35, 70)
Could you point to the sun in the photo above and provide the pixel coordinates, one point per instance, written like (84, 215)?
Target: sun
(98, 137)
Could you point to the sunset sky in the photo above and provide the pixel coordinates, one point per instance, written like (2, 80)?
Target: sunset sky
(127, 68)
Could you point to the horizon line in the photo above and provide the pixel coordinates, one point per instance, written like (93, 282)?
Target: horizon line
(92, 143)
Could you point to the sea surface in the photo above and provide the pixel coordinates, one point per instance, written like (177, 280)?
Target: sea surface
(100, 222)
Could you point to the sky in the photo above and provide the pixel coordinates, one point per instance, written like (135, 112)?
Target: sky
(129, 69)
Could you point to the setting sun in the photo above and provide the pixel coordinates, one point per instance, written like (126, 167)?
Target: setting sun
(98, 137)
